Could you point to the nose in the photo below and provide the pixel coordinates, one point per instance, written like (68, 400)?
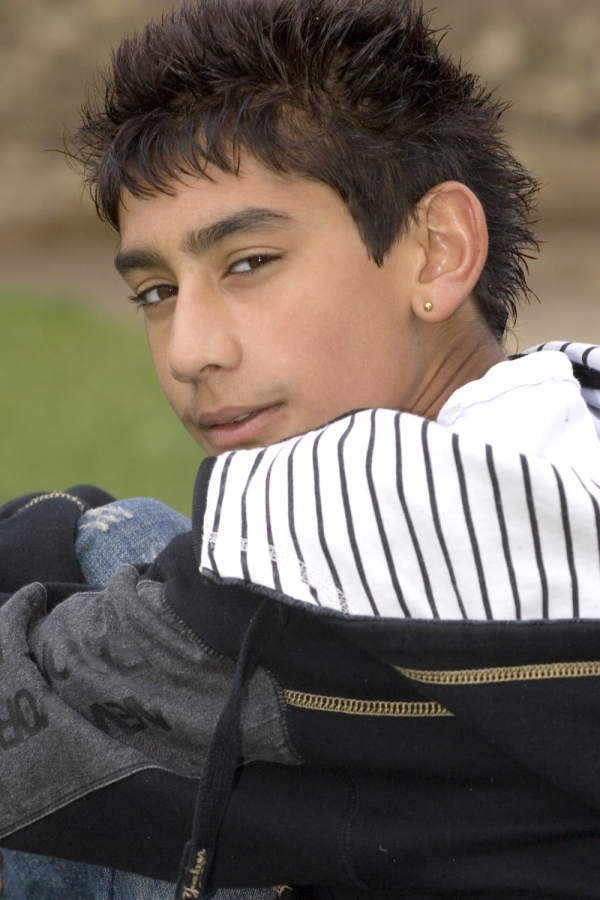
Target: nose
(202, 337)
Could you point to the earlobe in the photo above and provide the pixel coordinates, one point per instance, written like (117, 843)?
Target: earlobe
(453, 234)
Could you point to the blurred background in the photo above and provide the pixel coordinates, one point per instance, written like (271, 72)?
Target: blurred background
(78, 399)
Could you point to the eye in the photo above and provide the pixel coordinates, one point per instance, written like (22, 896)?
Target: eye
(250, 263)
(152, 296)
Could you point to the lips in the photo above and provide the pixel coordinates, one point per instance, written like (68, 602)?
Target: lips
(231, 429)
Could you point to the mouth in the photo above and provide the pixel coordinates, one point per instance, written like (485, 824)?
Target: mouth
(232, 429)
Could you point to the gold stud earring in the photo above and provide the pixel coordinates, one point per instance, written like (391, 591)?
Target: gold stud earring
(428, 306)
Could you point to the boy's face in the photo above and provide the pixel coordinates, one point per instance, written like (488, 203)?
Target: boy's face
(265, 315)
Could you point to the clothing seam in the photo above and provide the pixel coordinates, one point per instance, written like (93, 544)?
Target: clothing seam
(347, 835)
(324, 613)
(546, 382)
(52, 807)
(54, 495)
(186, 629)
(288, 562)
(280, 695)
(355, 707)
(200, 502)
(216, 654)
(503, 674)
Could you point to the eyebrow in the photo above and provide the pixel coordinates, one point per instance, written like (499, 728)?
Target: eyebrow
(200, 241)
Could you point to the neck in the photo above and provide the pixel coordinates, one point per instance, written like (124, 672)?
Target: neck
(459, 355)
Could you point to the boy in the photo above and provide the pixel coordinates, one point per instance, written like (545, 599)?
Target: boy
(327, 233)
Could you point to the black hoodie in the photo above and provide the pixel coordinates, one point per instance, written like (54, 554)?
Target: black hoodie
(386, 756)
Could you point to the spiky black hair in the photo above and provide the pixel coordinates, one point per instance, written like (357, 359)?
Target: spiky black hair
(354, 93)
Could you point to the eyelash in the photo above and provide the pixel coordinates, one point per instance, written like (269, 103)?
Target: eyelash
(141, 299)
(263, 259)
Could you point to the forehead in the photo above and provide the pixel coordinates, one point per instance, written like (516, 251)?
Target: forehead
(194, 202)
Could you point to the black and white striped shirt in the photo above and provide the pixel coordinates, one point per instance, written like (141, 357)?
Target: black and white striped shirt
(384, 513)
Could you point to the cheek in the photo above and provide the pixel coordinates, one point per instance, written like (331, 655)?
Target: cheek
(301, 347)
(313, 351)
(313, 318)
(340, 350)
(158, 344)
(158, 354)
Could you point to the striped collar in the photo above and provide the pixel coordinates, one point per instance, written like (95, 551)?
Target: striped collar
(382, 513)
(585, 359)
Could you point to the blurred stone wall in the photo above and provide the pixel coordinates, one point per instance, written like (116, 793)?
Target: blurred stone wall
(49, 52)
(543, 54)
(544, 57)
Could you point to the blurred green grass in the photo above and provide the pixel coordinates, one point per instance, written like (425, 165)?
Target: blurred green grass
(79, 402)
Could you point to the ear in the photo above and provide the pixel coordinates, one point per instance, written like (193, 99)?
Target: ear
(452, 231)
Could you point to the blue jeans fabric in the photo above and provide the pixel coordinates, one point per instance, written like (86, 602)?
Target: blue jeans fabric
(127, 531)
(27, 876)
